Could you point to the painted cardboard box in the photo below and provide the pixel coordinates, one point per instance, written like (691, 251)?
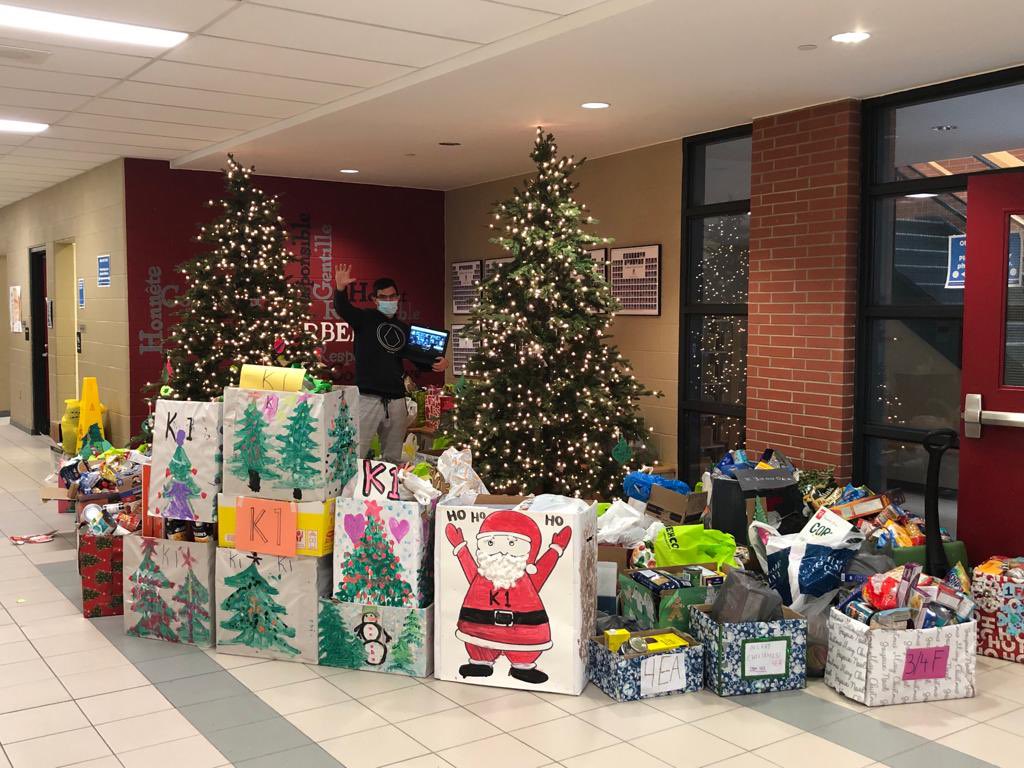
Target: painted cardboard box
(377, 638)
(168, 590)
(267, 605)
(185, 474)
(629, 678)
(516, 593)
(1000, 615)
(753, 656)
(879, 667)
(289, 445)
(314, 535)
(667, 608)
(100, 564)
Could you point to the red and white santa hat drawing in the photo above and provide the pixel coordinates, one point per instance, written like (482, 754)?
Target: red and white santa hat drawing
(508, 522)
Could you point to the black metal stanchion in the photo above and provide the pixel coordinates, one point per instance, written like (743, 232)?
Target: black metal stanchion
(936, 443)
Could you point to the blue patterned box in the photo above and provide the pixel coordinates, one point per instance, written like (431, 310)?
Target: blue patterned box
(754, 656)
(628, 678)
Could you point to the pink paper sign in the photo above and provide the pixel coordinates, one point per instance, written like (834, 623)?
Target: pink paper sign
(926, 663)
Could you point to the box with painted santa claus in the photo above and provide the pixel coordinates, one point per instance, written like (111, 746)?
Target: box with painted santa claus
(516, 592)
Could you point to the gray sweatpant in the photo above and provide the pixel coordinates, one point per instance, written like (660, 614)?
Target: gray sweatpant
(390, 424)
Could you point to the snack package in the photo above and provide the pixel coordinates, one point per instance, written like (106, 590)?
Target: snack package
(958, 578)
(881, 591)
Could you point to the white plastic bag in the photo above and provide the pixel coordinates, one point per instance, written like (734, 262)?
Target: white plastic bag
(456, 467)
(415, 487)
(624, 525)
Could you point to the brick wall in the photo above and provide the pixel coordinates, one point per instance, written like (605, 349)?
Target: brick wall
(804, 225)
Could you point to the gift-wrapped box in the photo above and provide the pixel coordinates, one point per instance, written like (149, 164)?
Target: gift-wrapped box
(1000, 615)
(752, 656)
(516, 593)
(628, 678)
(100, 564)
(289, 445)
(878, 667)
(314, 535)
(658, 609)
(168, 590)
(184, 475)
(378, 638)
(267, 605)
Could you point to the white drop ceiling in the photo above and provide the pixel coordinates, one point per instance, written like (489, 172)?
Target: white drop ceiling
(305, 87)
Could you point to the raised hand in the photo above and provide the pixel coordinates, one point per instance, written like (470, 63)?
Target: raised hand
(343, 276)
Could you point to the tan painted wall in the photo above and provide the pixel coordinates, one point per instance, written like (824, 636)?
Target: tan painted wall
(88, 211)
(637, 196)
(5, 325)
(63, 357)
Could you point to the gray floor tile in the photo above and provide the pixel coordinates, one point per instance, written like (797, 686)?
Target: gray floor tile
(139, 649)
(178, 666)
(245, 742)
(869, 737)
(798, 708)
(932, 755)
(192, 690)
(217, 715)
(312, 756)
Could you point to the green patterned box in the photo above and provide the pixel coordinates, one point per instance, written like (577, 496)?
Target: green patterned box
(657, 610)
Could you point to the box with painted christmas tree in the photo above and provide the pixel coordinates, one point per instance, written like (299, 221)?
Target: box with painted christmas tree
(376, 638)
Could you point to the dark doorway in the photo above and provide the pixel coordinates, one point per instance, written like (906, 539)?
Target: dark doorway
(36, 331)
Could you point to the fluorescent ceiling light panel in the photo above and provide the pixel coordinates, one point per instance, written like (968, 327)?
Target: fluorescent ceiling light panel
(20, 126)
(850, 37)
(94, 29)
(595, 105)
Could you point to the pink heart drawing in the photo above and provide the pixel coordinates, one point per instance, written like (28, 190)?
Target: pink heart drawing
(354, 527)
(399, 528)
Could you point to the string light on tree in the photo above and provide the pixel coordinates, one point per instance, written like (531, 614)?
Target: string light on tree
(547, 398)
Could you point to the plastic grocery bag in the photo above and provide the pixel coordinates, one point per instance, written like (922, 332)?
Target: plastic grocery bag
(413, 486)
(456, 467)
(637, 485)
(693, 544)
(743, 598)
(626, 526)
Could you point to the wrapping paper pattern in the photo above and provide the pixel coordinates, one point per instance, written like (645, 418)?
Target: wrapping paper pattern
(723, 653)
(1000, 616)
(670, 608)
(376, 638)
(620, 677)
(186, 476)
(100, 564)
(867, 665)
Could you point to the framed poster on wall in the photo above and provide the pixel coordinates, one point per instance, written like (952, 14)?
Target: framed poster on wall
(635, 277)
(465, 278)
(491, 266)
(600, 258)
(463, 348)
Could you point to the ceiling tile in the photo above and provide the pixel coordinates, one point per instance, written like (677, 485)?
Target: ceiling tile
(148, 127)
(556, 6)
(474, 20)
(274, 26)
(201, 117)
(287, 62)
(249, 83)
(93, 158)
(57, 82)
(211, 100)
(43, 163)
(113, 150)
(77, 60)
(117, 137)
(183, 15)
(30, 113)
(18, 97)
(8, 171)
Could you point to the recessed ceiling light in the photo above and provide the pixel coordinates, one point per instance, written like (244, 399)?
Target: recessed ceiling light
(850, 37)
(349, 170)
(944, 128)
(807, 47)
(93, 29)
(20, 126)
(923, 194)
(595, 105)
(450, 143)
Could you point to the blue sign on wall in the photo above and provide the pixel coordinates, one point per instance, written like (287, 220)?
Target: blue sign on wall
(81, 293)
(956, 266)
(103, 271)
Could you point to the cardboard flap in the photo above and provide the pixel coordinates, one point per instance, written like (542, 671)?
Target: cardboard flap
(675, 508)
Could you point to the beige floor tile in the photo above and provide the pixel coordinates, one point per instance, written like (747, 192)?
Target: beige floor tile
(745, 760)
(56, 556)
(629, 720)
(361, 684)
(26, 613)
(747, 728)
(59, 626)
(95, 682)
(698, 747)
(1011, 721)
(146, 730)
(58, 645)
(693, 706)
(617, 756)
(986, 663)
(809, 751)
(988, 743)
(296, 697)
(450, 728)
(591, 698)
(373, 748)
(424, 761)
(123, 705)
(11, 634)
(1002, 682)
(272, 674)
(193, 752)
(230, 661)
(70, 663)
(407, 703)
(336, 720)
(923, 719)
(520, 710)
(57, 749)
(41, 721)
(34, 694)
(19, 672)
(35, 596)
(500, 751)
(823, 692)
(565, 737)
(981, 708)
(463, 693)
(22, 650)
(101, 762)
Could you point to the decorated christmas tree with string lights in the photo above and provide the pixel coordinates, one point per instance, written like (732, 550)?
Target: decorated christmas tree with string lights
(238, 305)
(549, 405)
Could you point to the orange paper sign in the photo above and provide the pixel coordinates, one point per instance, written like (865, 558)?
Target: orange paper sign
(266, 526)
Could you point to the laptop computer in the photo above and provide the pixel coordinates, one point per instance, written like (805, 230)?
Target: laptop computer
(425, 345)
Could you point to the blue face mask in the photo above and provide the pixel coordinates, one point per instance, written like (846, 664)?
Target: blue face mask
(389, 308)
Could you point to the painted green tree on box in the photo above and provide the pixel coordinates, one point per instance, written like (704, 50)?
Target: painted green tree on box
(194, 613)
(372, 572)
(155, 615)
(403, 651)
(180, 487)
(298, 460)
(339, 647)
(251, 457)
(257, 616)
(343, 446)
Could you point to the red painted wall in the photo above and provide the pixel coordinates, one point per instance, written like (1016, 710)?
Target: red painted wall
(379, 230)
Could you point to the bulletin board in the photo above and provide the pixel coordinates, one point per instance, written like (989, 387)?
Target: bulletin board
(491, 266)
(600, 258)
(465, 285)
(635, 277)
(463, 348)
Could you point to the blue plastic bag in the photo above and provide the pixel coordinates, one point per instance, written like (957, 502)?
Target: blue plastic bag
(637, 485)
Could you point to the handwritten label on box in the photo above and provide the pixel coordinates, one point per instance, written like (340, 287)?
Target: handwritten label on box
(662, 673)
(765, 658)
(268, 377)
(926, 663)
(266, 526)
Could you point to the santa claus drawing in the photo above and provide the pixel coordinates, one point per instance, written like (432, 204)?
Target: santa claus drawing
(502, 613)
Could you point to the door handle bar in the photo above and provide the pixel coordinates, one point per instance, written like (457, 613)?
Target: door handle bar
(974, 416)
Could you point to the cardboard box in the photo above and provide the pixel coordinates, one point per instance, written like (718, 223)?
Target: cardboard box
(100, 564)
(376, 638)
(314, 535)
(675, 508)
(1000, 616)
(879, 667)
(668, 608)
(629, 678)
(185, 471)
(753, 656)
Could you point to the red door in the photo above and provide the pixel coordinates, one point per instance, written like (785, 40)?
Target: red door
(990, 508)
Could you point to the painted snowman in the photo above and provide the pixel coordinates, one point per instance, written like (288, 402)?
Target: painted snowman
(375, 638)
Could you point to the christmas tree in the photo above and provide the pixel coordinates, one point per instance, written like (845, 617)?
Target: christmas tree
(343, 446)
(297, 458)
(250, 458)
(194, 613)
(148, 580)
(257, 618)
(238, 305)
(372, 573)
(180, 488)
(547, 398)
(338, 646)
(402, 651)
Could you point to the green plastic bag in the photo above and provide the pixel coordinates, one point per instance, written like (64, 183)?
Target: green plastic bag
(693, 544)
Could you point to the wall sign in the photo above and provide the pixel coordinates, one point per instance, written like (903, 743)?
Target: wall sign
(14, 298)
(635, 278)
(103, 271)
(465, 279)
(49, 312)
(81, 293)
(926, 663)
(956, 262)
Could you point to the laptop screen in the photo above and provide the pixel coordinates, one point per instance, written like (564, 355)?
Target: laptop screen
(428, 339)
